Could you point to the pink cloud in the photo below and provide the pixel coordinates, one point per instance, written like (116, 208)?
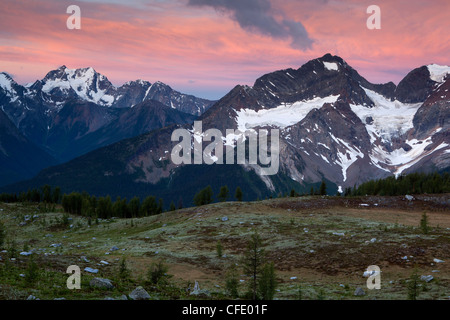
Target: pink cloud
(201, 51)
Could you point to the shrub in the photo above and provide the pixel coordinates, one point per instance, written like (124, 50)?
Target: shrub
(157, 273)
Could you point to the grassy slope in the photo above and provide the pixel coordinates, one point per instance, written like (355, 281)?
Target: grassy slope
(303, 237)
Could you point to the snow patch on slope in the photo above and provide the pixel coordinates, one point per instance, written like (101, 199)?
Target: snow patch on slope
(437, 72)
(332, 66)
(282, 116)
(5, 82)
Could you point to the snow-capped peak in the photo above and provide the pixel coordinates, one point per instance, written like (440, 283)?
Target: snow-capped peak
(438, 72)
(86, 82)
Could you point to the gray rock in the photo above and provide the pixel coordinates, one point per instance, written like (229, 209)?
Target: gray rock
(139, 294)
(31, 297)
(91, 270)
(224, 219)
(114, 248)
(101, 283)
(427, 278)
(25, 253)
(359, 292)
(409, 198)
(201, 293)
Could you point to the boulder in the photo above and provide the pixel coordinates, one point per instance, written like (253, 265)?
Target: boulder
(101, 283)
(139, 294)
(359, 292)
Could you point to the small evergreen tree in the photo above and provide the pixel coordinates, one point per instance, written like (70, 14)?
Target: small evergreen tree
(204, 196)
(223, 194)
(172, 206)
(157, 273)
(56, 196)
(232, 282)
(323, 188)
(292, 193)
(267, 282)
(238, 194)
(46, 193)
(134, 206)
(124, 272)
(32, 273)
(424, 224)
(219, 249)
(252, 263)
(413, 286)
(149, 206)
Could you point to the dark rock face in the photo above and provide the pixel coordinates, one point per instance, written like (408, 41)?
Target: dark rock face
(435, 112)
(416, 86)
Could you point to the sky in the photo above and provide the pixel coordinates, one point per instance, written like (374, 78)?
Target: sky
(206, 47)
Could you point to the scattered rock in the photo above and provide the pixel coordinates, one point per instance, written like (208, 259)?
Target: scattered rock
(224, 219)
(359, 292)
(339, 234)
(91, 270)
(25, 253)
(56, 245)
(427, 278)
(409, 198)
(438, 260)
(199, 292)
(114, 248)
(101, 283)
(104, 262)
(139, 294)
(31, 297)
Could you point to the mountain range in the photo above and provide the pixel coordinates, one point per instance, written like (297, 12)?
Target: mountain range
(72, 111)
(334, 126)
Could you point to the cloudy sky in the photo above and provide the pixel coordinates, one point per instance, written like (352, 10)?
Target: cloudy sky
(206, 47)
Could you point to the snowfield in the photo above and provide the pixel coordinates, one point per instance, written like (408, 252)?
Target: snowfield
(282, 116)
(390, 118)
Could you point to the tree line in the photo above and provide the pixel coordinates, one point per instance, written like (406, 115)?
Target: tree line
(413, 183)
(88, 205)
